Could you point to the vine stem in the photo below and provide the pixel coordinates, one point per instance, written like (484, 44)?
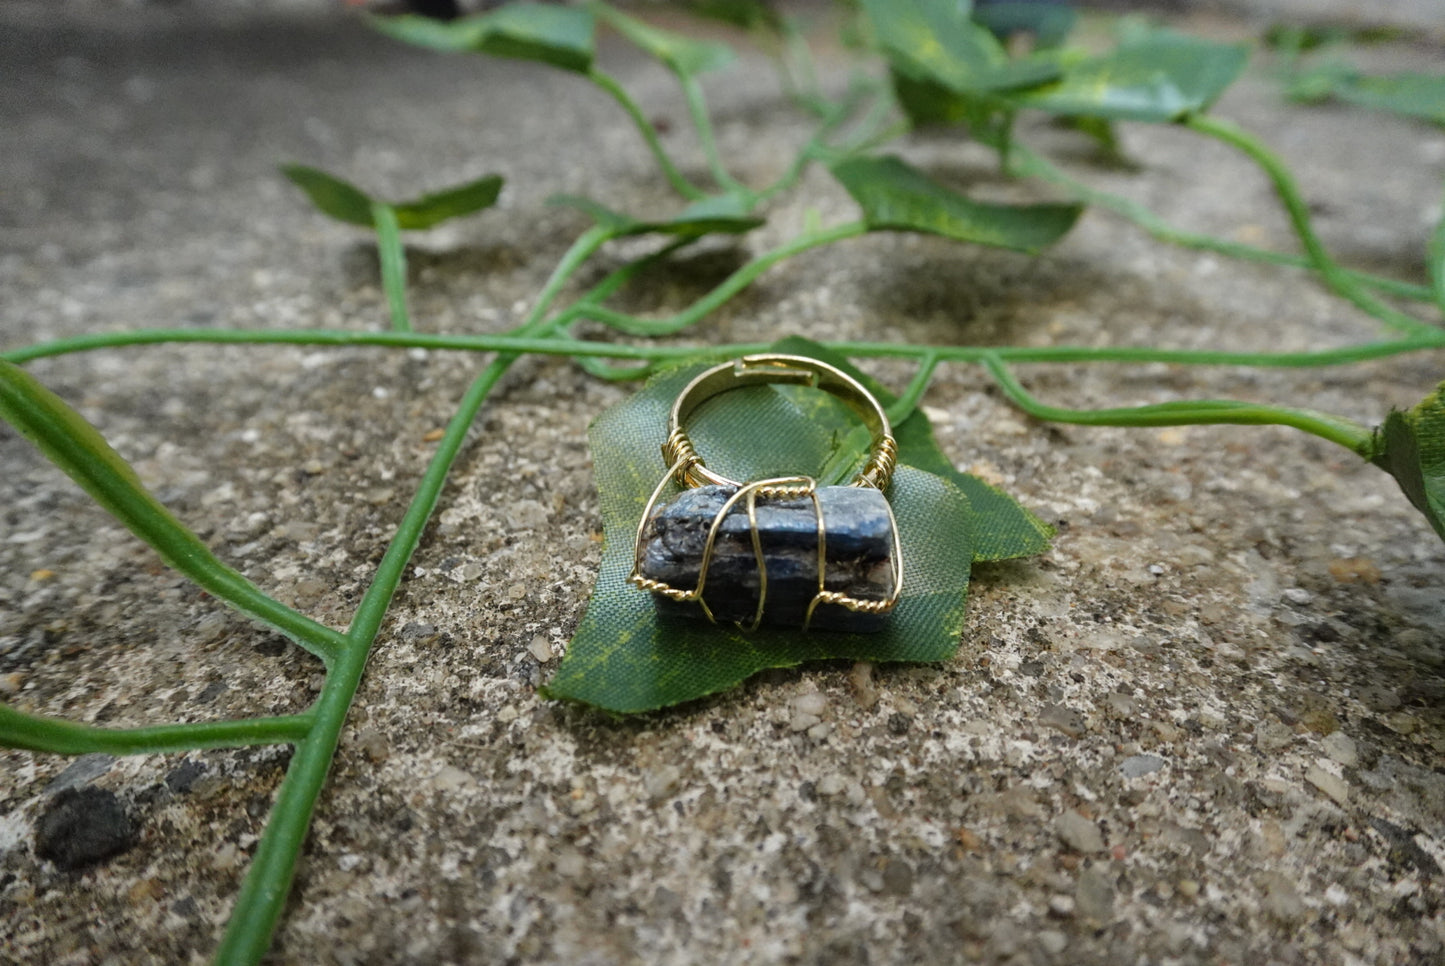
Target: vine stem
(594, 349)
(60, 737)
(1027, 163)
(697, 107)
(273, 868)
(1294, 204)
(1345, 432)
(679, 183)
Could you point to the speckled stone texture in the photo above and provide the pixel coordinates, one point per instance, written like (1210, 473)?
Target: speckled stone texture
(857, 532)
(1207, 727)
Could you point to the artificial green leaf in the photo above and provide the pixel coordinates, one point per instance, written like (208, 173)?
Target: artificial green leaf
(747, 14)
(1412, 95)
(335, 197)
(440, 206)
(1157, 75)
(725, 214)
(1049, 23)
(896, 196)
(682, 55)
(625, 659)
(346, 202)
(1002, 528)
(550, 34)
(936, 41)
(1410, 446)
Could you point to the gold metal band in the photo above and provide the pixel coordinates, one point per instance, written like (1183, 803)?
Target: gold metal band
(687, 467)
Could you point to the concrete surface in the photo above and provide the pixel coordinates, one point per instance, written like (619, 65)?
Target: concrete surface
(1206, 728)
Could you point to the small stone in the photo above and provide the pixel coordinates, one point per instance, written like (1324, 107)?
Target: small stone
(897, 877)
(1271, 736)
(1298, 595)
(661, 782)
(1282, 901)
(569, 863)
(1094, 896)
(83, 826)
(81, 771)
(1063, 719)
(1341, 749)
(1053, 942)
(541, 649)
(526, 515)
(1136, 766)
(1121, 704)
(820, 731)
(11, 683)
(860, 680)
(1331, 785)
(380, 495)
(1079, 833)
(1402, 723)
(226, 858)
(898, 723)
(1354, 570)
(802, 722)
(814, 703)
(372, 745)
(451, 779)
(183, 777)
(1187, 889)
(1061, 906)
(831, 784)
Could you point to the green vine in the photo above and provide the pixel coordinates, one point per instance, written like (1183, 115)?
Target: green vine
(963, 76)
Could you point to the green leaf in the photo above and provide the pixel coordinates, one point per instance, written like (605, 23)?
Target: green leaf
(936, 41)
(1049, 23)
(440, 206)
(725, 214)
(1157, 75)
(346, 202)
(895, 196)
(747, 14)
(335, 197)
(546, 33)
(1410, 446)
(1002, 528)
(624, 659)
(1435, 262)
(1412, 95)
(682, 55)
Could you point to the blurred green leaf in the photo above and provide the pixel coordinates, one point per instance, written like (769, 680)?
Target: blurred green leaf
(433, 209)
(1049, 23)
(624, 659)
(1002, 528)
(1410, 446)
(345, 202)
(895, 196)
(340, 199)
(1155, 75)
(936, 41)
(1412, 95)
(682, 55)
(547, 33)
(725, 214)
(747, 14)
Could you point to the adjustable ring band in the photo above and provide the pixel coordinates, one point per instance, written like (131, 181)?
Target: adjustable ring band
(688, 468)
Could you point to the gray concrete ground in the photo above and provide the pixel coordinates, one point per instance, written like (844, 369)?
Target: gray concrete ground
(1205, 728)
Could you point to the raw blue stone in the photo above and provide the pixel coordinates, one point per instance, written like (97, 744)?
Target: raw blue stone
(859, 546)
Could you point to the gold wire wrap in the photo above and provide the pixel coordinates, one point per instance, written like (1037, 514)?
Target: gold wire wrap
(686, 469)
(689, 468)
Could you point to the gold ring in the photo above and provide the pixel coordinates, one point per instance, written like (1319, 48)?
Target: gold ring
(707, 546)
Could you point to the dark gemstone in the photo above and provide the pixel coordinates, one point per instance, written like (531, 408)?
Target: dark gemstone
(858, 542)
